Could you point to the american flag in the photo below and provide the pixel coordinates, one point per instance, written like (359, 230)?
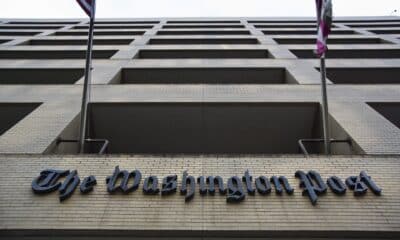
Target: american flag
(324, 19)
(88, 6)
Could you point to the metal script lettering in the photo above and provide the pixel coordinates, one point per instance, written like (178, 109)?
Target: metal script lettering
(235, 190)
(69, 185)
(150, 185)
(88, 184)
(336, 185)
(48, 181)
(188, 182)
(312, 183)
(359, 184)
(125, 175)
(169, 185)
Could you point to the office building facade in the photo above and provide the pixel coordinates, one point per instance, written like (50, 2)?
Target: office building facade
(213, 127)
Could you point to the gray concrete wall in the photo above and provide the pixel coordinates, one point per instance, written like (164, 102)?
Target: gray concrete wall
(24, 146)
(369, 131)
(137, 214)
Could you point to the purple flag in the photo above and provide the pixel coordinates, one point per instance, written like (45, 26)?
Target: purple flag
(324, 20)
(88, 6)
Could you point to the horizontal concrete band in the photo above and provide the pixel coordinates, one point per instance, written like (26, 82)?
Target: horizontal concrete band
(268, 215)
(195, 234)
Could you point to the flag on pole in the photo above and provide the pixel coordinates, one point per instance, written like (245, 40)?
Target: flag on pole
(88, 6)
(324, 20)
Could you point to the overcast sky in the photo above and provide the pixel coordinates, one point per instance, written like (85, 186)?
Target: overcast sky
(193, 8)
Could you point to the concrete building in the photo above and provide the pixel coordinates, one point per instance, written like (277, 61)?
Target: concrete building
(213, 97)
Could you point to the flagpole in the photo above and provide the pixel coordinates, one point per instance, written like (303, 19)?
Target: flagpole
(86, 85)
(321, 5)
(325, 115)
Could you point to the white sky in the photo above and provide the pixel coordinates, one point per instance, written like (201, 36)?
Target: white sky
(193, 8)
